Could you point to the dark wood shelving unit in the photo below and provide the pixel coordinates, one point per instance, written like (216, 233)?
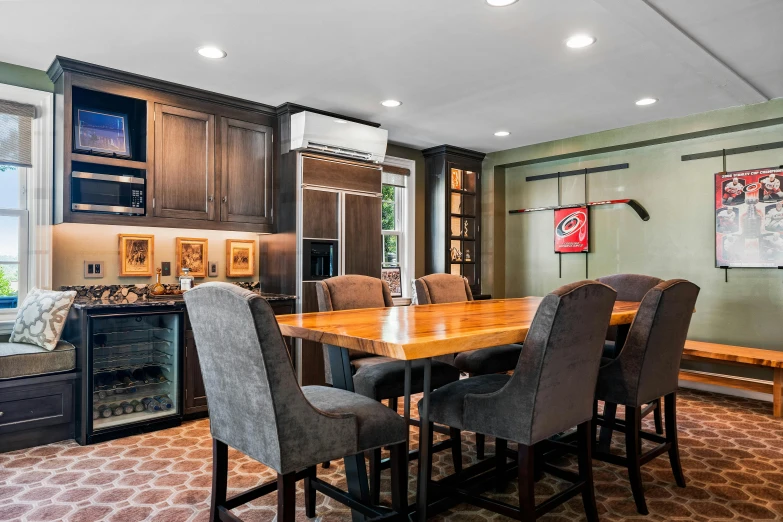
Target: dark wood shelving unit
(453, 213)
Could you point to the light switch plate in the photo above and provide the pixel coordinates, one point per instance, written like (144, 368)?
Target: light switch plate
(93, 269)
(165, 268)
(213, 269)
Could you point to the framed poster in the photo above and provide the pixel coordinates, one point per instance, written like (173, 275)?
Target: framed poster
(571, 229)
(240, 257)
(393, 276)
(192, 253)
(749, 219)
(137, 252)
(101, 132)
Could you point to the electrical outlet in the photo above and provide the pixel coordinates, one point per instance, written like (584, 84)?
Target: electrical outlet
(213, 269)
(165, 268)
(93, 269)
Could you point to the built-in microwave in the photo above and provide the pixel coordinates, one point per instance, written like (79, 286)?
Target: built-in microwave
(115, 194)
(319, 259)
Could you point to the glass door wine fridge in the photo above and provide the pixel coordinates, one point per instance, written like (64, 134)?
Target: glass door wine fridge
(135, 366)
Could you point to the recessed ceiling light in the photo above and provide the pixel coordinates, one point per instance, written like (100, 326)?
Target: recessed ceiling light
(209, 51)
(501, 3)
(391, 103)
(502, 134)
(646, 101)
(580, 40)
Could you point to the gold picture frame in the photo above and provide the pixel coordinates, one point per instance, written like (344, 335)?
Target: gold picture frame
(137, 255)
(192, 253)
(240, 257)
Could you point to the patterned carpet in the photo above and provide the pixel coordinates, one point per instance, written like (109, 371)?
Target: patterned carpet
(732, 454)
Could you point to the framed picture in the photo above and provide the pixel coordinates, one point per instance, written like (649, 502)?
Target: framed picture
(571, 227)
(101, 132)
(192, 253)
(393, 276)
(136, 255)
(240, 257)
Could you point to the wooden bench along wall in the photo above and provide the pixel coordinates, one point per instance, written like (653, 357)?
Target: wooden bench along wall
(737, 356)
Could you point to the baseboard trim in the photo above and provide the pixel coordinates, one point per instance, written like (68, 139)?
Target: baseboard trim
(726, 385)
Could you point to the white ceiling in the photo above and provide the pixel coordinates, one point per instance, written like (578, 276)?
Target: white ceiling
(462, 69)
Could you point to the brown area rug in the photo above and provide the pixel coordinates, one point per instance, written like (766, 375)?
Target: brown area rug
(731, 449)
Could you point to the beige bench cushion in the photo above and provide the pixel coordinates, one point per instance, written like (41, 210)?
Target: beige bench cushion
(26, 360)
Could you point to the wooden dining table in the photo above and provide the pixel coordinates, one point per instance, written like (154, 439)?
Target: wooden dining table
(411, 333)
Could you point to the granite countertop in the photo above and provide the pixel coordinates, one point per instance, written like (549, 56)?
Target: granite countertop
(172, 301)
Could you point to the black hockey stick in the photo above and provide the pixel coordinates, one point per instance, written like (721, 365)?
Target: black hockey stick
(630, 202)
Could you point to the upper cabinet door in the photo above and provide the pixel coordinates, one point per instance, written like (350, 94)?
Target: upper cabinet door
(246, 174)
(184, 163)
(362, 239)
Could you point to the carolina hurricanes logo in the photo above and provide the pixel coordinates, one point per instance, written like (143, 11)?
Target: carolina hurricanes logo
(572, 223)
(751, 187)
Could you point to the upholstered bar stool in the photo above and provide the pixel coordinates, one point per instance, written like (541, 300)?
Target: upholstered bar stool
(448, 288)
(376, 377)
(549, 392)
(257, 407)
(646, 369)
(629, 287)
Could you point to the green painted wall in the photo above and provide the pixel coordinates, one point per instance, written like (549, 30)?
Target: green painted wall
(677, 241)
(11, 74)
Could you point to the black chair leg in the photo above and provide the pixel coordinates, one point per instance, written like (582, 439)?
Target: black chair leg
(375, 476)
(633, 448)
(326, 464)
(605, 438)
(399, 478)
(393, 403)
(658, 417)
(219, 478)
(500, 464)
(671, 437)
(456, 448)
(584, 450)
(480, 440)
(527, 483)
(286, 497)
(309, 492)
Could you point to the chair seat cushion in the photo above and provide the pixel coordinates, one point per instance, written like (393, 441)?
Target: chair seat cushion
(27, 360)
(489, 360)
(383, 377)
(447, 404)
(378, 425)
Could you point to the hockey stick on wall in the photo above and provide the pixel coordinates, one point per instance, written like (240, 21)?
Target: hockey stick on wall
(638, 208)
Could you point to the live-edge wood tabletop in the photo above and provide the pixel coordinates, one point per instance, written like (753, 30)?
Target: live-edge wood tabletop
(415, 332)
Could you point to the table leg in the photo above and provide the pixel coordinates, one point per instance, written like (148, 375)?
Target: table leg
(424, 450)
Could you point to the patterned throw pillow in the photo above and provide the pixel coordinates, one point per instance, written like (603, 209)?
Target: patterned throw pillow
(41, 318)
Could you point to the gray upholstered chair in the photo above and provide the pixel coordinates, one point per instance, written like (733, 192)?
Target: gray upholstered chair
(257, 407)
(646, 369)
(550, 391)
(448, 288)
(376, 377)
(629, 287)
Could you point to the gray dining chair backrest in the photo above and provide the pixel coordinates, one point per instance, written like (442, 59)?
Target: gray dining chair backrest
(629, 287)
(442, 288)
(553, 385)
(255, 403)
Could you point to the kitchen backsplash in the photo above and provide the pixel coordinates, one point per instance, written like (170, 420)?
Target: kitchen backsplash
(132, 293)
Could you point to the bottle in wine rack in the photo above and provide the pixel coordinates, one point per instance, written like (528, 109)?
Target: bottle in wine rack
(164, 401)
(140, 376)
(126, 407)
(116, 409)
(95, 413)
(156, 375)
(137, 406)
(105, 411)
(115, 381)
(125, 377)
(102, 394)
(151, 404)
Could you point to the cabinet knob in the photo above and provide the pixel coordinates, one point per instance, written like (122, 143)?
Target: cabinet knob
(1, 413)
(211, 199)
(225, 198)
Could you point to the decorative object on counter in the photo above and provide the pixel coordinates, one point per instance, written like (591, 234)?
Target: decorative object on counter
(192, 254)
(41, 318)
(93, 269)
(137, 253)
(240, 257)
(393, 276)
(213, 269)
(157, 288)
(101, 133)
(456, 255)
(185, 280)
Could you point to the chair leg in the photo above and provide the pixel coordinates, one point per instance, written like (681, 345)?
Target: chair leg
(605, 438)
(658, 416)
(480, 440)
(527, 483)
(456, 448)
(286, 497)
(671, 437)
(375, 476)
(326, 464)
(399, 478)
(393, 403)
(309, 492)
(585, 457)
(500, 464)
(633, 447)
(219, 478)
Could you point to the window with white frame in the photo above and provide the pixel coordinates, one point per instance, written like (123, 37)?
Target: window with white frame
(397, 222)
(14, 233)
(392, 225)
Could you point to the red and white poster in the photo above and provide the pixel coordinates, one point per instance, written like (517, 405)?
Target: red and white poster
(571, 230)
(749, 218)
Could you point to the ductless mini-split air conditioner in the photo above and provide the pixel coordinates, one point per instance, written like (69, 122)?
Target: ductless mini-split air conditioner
(311, 131)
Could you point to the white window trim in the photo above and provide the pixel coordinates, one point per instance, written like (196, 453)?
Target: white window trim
(37, 242)
(407, 224)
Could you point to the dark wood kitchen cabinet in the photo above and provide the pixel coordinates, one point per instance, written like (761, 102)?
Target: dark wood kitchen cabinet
(184, 164)
(362, 238)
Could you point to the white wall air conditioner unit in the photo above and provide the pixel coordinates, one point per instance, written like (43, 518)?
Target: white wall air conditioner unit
(339, 137)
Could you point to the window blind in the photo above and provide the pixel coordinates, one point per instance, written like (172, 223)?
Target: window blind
(16, 133)
(396, 176)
